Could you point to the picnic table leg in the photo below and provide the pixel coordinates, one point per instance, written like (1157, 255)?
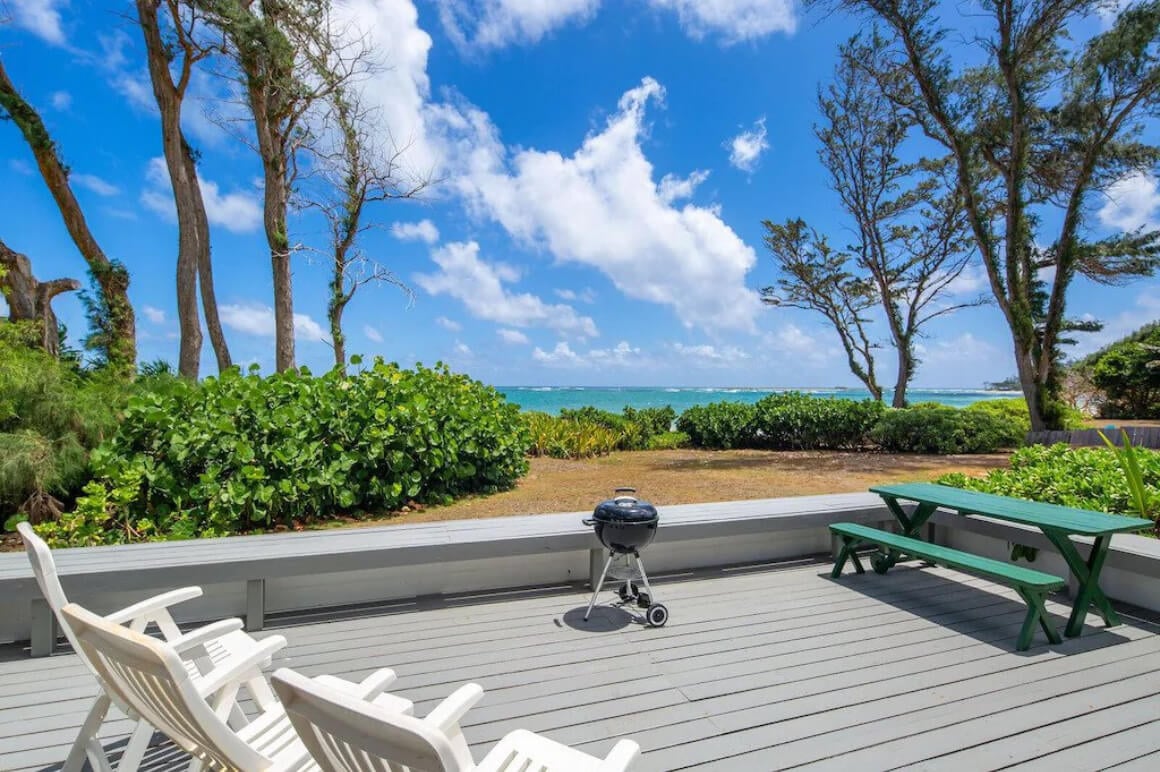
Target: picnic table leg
(847, 553)
(911, 526)
(1036, 612)
(1087, 573)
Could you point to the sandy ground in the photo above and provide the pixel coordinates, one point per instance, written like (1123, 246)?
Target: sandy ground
(693, 476)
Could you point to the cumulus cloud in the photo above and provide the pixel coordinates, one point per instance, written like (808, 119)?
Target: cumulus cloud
(601, 207)
(1133, 202)
(237, 212)
(257, 319)
(673, 188)
(371, 334)
(486, 24)
(561, 355)
(480, 287)
(61, 100)
(515, 337)
(94, 184)
(448, 324)
(1144, 310)
(705, 354)
(153, 314)
(732, 21)
(585, 295)
(462, 348)
(746, 148)
(40, 17)
(424, 230)
(965, 347)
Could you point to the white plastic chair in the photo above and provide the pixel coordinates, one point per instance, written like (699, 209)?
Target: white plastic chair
(202, 650)
(150, 677)
(344, 734)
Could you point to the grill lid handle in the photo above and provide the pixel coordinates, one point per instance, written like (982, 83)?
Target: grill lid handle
(625, 490)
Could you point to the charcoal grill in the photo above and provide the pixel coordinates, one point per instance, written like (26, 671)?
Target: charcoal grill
(626, 525)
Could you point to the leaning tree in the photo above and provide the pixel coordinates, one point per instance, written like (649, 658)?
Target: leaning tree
(1037, 128)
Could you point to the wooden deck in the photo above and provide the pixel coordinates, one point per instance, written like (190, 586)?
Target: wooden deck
(759, 668)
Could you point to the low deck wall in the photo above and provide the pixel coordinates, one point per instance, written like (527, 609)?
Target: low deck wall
(254, 575)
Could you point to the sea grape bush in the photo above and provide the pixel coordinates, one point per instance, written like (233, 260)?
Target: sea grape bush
(243, 452)
(719, 425)
(796, 421)
(944, 430)
(1086, 478)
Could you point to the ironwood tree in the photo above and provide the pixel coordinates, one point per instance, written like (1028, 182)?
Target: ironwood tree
(174, 46)
(911, 243)
(289, 58)
(354, 170)
(29, 299)
(1037, 128)
(116, 340)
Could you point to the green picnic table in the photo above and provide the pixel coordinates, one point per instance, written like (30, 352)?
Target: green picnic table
(1057, 523)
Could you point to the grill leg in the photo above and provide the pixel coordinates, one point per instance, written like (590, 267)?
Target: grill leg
(644, 577)
(599, 584)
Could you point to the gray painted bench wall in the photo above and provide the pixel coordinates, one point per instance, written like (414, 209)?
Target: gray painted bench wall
(254, 560)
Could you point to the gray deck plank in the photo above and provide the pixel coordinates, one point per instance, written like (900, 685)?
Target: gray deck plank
(756, 670)
(1103, 752)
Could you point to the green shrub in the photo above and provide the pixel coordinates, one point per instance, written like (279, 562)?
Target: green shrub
(798, 421)
(1014, 412)
(242, 452)
(653, 420)
(1128, 372)
(669, 441)
(569, 437)
(633, 429)
(944, 430)
(719, 425)
(51, 416)
(1087, 478)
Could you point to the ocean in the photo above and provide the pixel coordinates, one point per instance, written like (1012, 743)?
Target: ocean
(550, 399)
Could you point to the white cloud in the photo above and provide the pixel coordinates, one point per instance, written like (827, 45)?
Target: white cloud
(515, 337)
(448, 324)
(462, 348)
(95, 184)
(587, 295)
(965, 347)
(40, 17)
(488, 24)
(1110, 10)
(153, 314)
(601, 208)
(1133, 202)
(373, 335)
(562, 355)
(237, 212)
(1145, 310)
(424, 230)
(708, 355)
(257, 319)
(732, 21)
(20, 167)
(673, 188)
(480, 286)
(61, 100)
(746, 148)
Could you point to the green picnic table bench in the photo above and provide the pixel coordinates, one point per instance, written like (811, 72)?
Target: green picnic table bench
(1033, 586)
(1058, 524)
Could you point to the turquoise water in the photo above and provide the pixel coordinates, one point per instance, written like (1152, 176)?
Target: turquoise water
(550, 399)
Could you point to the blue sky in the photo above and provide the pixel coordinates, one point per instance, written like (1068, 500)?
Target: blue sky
(603, 169)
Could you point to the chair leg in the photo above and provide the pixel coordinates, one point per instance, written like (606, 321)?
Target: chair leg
(135, 749)
(86, 743)
(1036, 613)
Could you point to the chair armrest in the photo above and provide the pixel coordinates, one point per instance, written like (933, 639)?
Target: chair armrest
(240, 667)
(153, 605)
(446, 715)
(376, 683)
(621, 755)
(205, 634)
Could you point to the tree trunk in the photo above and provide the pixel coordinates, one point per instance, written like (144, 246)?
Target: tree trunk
(110, 275)
(209, 307)
(276, 238)
(30, 300)
(905, 371)
(337, 306)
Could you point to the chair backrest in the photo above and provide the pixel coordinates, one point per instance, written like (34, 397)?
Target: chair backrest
(347, 734)
(44, 568)
(149, 676)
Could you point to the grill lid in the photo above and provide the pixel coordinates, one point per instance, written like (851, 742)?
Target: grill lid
(625, 509)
